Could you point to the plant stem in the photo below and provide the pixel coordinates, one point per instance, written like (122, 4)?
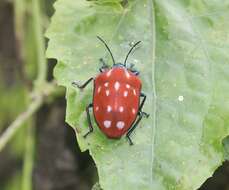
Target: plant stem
(42, 68)
(42, 87)
(50, 89)
(21, 119)
(41, 60)
(28, 157)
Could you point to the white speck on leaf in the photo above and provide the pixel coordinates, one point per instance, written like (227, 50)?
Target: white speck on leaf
(180, 98)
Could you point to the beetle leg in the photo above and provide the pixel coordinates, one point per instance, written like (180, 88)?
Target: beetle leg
(89, 120)
(140, 115)
(104, 65)
(131, 66)
(82, 85)
(134, 71)
(142, 104)
(132, 129)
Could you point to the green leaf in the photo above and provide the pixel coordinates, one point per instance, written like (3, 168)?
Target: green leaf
(96, 187)
(183, 62)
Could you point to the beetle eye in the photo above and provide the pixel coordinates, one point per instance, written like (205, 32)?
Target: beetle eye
(135, 72)
(103, 69)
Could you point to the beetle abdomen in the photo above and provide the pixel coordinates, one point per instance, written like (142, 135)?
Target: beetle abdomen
(116, 101)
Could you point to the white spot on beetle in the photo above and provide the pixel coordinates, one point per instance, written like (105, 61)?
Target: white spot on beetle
(109, 108)
(125, 93)
(133, 111)
(134, 92)
(107, 92)
(96, 108)
(117, 85)
(127, 86)
(99, 89)
(109, 73)
(106, 84)
(107, 123)
(121, 108)
(120, 124)
(127, 74)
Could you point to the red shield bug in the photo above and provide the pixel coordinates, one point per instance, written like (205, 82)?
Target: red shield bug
(117, 105)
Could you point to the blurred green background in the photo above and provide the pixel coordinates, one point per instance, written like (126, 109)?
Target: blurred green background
(42, 154)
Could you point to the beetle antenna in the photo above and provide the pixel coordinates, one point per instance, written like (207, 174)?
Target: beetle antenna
(107, 48)
(130, 52)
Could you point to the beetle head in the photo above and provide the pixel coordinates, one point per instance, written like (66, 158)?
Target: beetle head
(124, 65)
(118, 65)
(131, 69)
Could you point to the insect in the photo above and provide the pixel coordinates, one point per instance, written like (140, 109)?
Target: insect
(117, 105)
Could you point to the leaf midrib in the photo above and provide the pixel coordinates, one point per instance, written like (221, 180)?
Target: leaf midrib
(153, 44)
